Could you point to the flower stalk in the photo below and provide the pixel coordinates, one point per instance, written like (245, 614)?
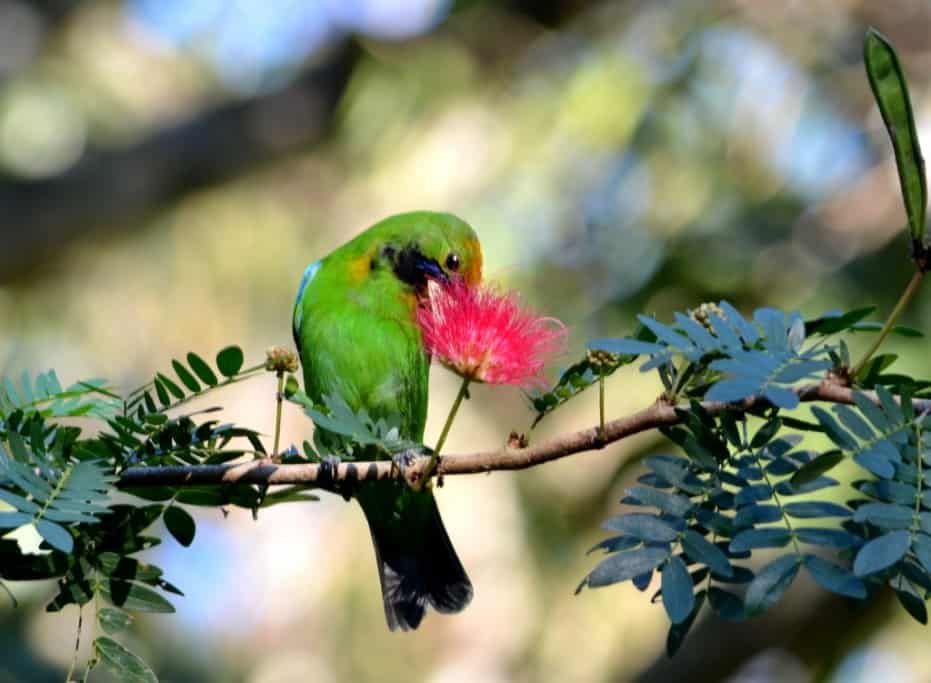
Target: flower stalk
(434, 458)
(279, 360)
(463, 393)
(279, 397)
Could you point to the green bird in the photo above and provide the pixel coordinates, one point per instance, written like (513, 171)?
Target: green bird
(356, 332)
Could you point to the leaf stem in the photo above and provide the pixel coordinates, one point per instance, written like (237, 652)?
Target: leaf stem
(9, 593)
(778, 502)
(92, 661)
(278, 399)
(900, 305)
(77, 645)
(431, 466)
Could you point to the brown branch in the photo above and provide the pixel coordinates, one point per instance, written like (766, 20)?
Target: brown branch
(507, 458)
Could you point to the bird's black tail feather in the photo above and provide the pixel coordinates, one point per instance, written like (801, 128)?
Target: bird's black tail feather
(417, 564)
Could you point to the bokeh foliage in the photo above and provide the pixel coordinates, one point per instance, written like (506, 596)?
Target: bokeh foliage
(681, 194)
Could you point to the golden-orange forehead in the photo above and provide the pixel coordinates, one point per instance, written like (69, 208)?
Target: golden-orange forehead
(473, 270)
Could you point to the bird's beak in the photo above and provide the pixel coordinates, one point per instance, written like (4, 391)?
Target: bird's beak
(431, 270)
(417, 269)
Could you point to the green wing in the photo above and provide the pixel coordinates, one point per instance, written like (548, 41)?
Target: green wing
(356, 345)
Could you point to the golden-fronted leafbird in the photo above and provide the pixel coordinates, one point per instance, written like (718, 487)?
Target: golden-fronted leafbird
(357, 335)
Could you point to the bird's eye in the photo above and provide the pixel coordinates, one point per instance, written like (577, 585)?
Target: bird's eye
(452, 262)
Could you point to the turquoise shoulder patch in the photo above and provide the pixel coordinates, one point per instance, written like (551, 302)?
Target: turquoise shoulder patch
(309, 274)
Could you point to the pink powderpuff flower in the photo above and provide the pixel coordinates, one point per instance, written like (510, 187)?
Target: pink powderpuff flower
(484, 336)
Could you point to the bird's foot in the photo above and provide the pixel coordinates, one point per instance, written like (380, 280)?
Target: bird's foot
(404, 461)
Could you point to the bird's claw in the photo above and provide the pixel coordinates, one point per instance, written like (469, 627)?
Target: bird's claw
(403, 461)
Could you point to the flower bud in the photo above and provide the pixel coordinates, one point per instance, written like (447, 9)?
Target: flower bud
(703, 312)
(280, 359)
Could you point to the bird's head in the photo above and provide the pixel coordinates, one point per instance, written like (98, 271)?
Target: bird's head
(422, 247)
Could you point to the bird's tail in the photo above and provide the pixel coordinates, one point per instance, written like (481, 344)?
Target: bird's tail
(417, 564)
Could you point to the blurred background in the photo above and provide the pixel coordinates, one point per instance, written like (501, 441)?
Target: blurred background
(169, 167)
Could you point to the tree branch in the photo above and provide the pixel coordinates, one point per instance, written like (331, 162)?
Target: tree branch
(659, 414)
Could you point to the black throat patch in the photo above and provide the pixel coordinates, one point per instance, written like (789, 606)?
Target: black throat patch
(412, 267)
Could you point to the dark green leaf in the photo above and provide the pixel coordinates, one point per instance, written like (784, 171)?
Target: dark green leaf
(180, 524)
(113, 620)
(625, 565)
(161, 392)
(765, 433)
(760, 538)
(678, 598)
(614, 544)
(229, 361)
(881, 552)
(149, 403)
(55, 535)
(129, 568)
(869, 374)
(642, 526)
(18, 502)
(921, 546)
(725, 604)
(815, 468)
(730, 428)
(754, 494)
(889, 405)
(875, 462)
(751, 515)
(698, 453)
(801, 425)
(834, 578)
(13, 520)
(700, 549)
(827, 538)
(211, 497)
(852, 421)
(156, 419)
(170, 385)
(889, 491)
(812, 508)
(18, 447)
(832, 323)
(134, 596)
(891, 93)
(904, 331)
(677, 632)
(666, 502)
(291, 494)
(884, 515)
(73, 592)
(291, 386)
(185, 376)
(128, 667)
(914, 605)
(770, 583)
(675, 472)
(835, 432)
(201, 369)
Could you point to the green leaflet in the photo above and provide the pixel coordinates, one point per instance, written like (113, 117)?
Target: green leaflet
(891, 92)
